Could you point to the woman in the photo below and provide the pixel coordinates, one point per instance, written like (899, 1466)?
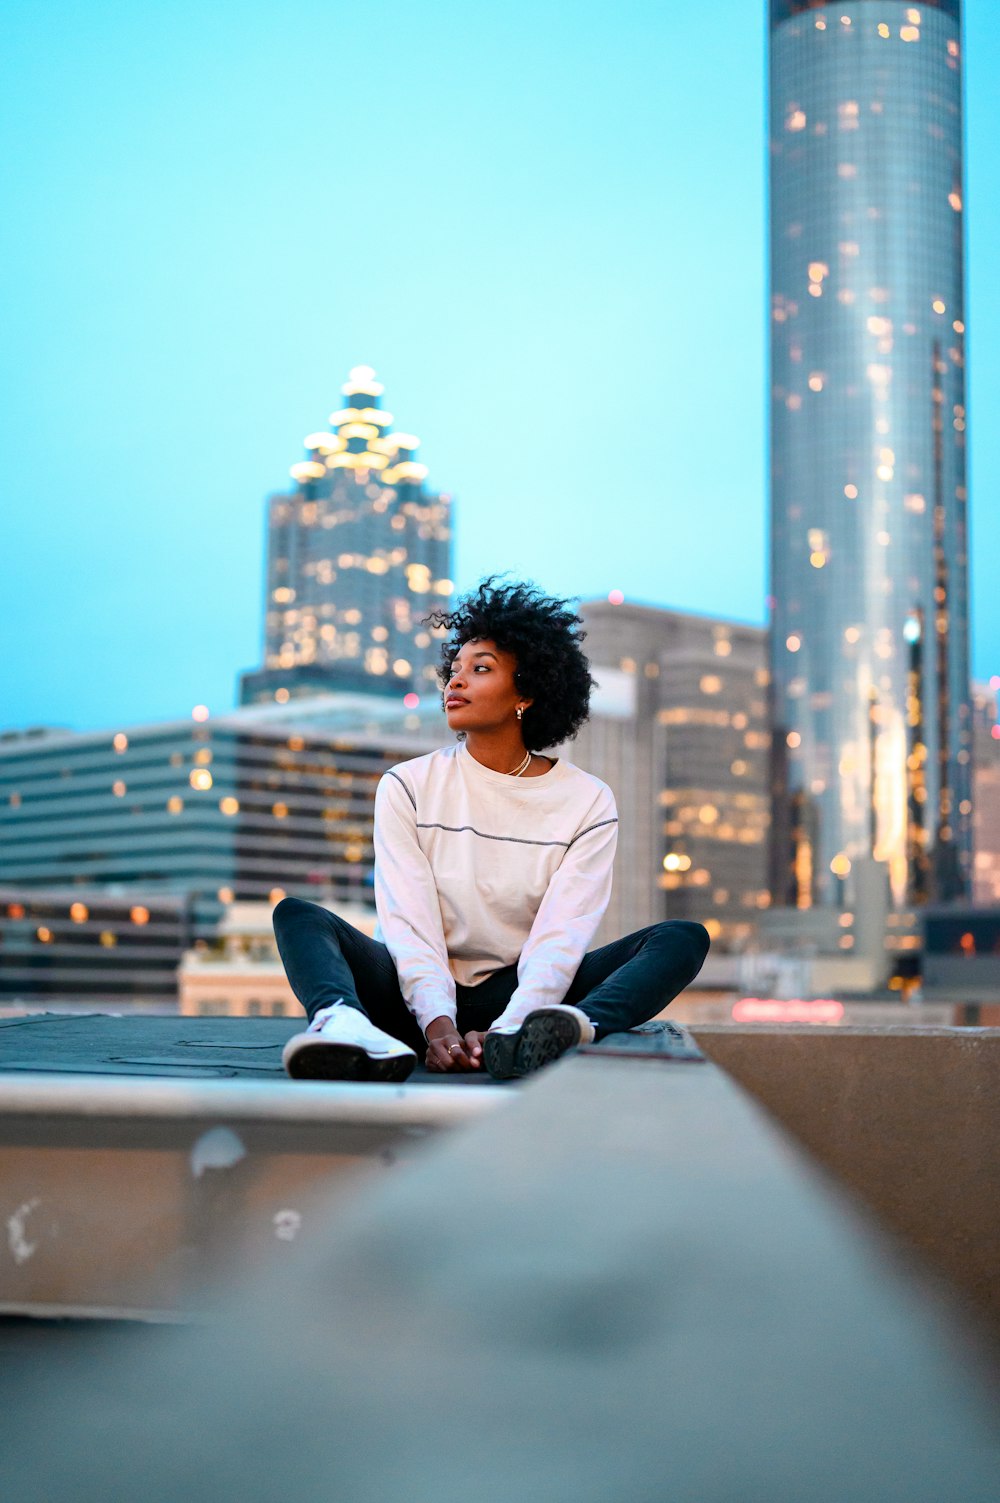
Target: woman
(492, 872)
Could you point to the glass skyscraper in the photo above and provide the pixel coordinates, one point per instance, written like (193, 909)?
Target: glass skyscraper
(358, 554)
(869, 607)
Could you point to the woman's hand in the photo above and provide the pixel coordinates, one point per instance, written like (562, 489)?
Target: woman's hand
(446, 1049)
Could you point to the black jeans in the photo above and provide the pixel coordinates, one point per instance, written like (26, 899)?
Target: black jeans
(619, 986)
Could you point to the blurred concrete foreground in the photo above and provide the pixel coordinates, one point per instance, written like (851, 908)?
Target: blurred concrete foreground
(623, 1280)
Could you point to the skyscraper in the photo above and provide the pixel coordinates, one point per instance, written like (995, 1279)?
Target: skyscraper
(869, 609)
(357, 555)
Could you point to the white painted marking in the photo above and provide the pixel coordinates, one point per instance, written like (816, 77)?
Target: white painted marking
(287, 1225)
(219, 1148)
(18, 1243)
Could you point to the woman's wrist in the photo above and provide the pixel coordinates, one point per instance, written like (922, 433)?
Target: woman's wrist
(440, 1027)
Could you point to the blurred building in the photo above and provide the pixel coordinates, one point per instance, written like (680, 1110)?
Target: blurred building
(986, 794)
(357, 555)
(678, 730)
(239, 972)
(871, 716)
(118, 852)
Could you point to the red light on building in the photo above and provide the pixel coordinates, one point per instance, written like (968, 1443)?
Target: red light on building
(792, 1010)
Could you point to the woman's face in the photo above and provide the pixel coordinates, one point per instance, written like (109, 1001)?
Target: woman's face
(481, 693)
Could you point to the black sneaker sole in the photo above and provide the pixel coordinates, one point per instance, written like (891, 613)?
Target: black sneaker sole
(543, 1037)
(322, 1061)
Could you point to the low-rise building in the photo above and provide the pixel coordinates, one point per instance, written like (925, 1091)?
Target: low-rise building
(176, 822)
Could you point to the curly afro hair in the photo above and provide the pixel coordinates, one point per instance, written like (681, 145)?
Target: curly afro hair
(544, 636)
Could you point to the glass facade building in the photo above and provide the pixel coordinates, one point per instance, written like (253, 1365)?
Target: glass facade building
(678, 729)
(117, 852)
(870, 709)
(357, 555)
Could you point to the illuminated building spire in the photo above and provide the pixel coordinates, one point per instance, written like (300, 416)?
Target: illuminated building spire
(358, 554)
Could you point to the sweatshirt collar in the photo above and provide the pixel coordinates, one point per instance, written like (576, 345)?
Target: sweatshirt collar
(503, 779)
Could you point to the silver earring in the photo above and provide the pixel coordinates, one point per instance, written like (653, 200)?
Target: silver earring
(519, 713)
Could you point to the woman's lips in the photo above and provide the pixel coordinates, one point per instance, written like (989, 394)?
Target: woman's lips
(453, 701)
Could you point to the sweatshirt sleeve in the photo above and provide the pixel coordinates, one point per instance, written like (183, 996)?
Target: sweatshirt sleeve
(567, 917)
(406, 900)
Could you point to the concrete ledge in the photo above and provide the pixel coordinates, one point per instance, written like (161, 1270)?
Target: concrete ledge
(631, 1286)
(135, 1098)
(908, 1120)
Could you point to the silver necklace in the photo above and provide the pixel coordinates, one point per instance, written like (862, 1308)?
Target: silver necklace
(517, 771)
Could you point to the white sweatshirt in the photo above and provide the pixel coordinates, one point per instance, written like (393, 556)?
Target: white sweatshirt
(476, 870)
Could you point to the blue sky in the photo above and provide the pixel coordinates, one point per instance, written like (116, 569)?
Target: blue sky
(542, 223)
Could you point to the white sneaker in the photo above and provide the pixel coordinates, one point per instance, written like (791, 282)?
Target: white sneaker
(342, 1044)
(544, 1035)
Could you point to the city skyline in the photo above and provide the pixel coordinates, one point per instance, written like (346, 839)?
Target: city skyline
(572, 347)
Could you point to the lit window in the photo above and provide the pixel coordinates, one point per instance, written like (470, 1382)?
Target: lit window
(79, 913)
(108, 940)
(938, 305)
(909, 33)
(816, 381)
(200, 712)
(401, 667)
(793, 739)
(955, 199)
(883, 29)
(229, 805)
(118, 788)
(174, 804)
(120, 742)
(710, 684)
(280, 811)
(851, 492)
(840, 865)
(852, 634)
(201, 779)
(796, 120)
(225, 895)
(913, 16)
(793, 643)
(139, 915)
(276, 894)
(44, 934)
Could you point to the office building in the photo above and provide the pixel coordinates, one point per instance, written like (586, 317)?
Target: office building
(986, 794)
(872, 773)
(358, 554)
(119, 851)
(678, 730)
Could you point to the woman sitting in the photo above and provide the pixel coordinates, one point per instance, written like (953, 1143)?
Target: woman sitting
(493, 867)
